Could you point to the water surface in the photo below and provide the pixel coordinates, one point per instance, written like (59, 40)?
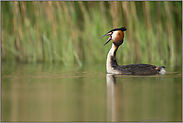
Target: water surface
(46, 92)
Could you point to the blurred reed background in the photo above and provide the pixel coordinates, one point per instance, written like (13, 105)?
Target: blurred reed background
(68, 32)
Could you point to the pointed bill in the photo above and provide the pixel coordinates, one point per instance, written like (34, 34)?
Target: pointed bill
(104, 35)
(108, 38)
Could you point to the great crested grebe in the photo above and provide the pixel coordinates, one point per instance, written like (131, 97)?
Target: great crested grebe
(117, 36)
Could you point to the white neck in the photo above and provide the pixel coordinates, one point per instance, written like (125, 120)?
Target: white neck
(110, 62)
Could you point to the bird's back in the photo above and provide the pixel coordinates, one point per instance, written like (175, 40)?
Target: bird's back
(141, 69)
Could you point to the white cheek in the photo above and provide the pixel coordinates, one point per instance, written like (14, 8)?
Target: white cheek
(114, 34)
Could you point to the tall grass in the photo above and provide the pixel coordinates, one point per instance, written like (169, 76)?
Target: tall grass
(68, 32)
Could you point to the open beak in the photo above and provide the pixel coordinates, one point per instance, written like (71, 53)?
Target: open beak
(108, 38)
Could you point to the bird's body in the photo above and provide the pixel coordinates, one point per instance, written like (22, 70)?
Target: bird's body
(112, 66)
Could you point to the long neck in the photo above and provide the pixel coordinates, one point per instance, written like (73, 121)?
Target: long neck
(111, 58)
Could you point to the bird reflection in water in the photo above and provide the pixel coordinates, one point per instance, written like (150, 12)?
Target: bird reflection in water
(111, 97)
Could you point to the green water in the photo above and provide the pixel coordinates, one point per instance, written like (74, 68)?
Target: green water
(46, 92)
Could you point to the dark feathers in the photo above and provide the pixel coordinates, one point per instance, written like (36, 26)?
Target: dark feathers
(122, 29)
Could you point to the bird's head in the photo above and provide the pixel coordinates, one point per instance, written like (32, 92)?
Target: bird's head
(116, 35)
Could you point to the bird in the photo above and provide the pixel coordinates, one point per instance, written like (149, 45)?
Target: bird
(117, 35)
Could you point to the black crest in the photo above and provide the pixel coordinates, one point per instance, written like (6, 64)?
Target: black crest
(122, 29)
